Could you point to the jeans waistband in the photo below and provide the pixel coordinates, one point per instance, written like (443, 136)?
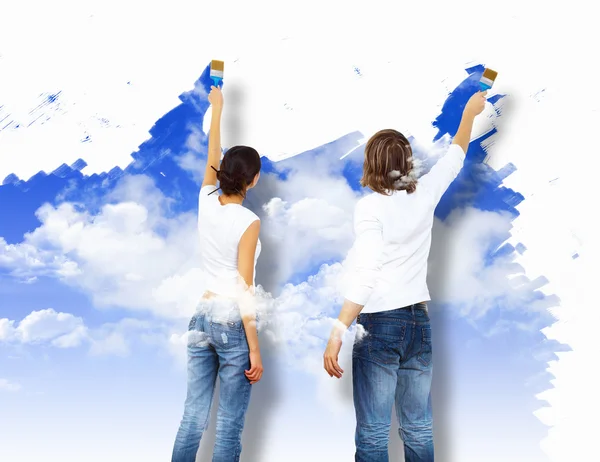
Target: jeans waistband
(416, 310)
(417, 306)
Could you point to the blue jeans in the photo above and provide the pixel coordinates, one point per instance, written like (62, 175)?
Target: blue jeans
(392, 363)
(216, 346)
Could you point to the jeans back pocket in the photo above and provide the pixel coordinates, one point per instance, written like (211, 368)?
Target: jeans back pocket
(384, 340)
(227, 334)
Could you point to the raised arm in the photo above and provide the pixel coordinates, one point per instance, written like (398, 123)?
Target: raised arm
(446, 169)
(215, 98)
(473, 108)
(246, 253)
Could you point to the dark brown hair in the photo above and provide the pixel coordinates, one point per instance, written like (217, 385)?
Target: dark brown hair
(239, 167)
(388, 163)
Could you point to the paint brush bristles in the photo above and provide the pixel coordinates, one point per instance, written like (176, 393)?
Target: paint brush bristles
(487, 79)
(216, 71)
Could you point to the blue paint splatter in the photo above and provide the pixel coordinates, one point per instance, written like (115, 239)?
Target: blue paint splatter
(52, 98)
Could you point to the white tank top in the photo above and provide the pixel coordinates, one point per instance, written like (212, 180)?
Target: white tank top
(221, 228)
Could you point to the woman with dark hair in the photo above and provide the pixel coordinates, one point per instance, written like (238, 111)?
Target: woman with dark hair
(387, 293)
(222, 334)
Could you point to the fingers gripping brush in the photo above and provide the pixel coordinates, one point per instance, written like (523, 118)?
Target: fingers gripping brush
(487, 79)
(216, 71)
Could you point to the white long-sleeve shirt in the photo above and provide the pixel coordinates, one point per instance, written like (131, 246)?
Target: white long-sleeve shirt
(388, 268)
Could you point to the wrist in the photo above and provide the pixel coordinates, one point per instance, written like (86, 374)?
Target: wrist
(338, 331)
(469, 115)
(254, 349)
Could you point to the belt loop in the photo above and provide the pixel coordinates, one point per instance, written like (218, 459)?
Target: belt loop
(412, 310)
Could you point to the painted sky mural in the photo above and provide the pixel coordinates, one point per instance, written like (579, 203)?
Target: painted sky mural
(98, 271)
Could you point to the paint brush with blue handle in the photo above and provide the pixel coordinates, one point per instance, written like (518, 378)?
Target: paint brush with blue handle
(487, 79)
(216, 71)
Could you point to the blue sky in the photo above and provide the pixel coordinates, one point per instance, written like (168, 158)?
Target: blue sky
(97, 279)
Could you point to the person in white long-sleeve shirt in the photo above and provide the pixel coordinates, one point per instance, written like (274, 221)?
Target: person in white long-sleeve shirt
(387, 292)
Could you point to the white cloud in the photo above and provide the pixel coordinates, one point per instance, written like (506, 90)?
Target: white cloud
(118, 338)
(462, 275)
(7, 329)
(62, 330)
(458, 272)
(129, 254)
(192, 160)
(303, 233)
(71, 339)
(307, 218)
(7, 385)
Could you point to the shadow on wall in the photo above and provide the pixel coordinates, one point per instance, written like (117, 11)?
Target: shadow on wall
(232, 128)
(264, 401)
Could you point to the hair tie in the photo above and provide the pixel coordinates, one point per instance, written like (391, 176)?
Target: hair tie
(217, 178)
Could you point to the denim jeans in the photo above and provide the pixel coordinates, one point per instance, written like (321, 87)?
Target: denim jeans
(392, 363)
(217, 346)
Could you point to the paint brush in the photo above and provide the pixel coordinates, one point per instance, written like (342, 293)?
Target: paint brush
(487, 79)
(216, 71)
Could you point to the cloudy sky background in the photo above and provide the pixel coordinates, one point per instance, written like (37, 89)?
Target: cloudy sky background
(97, 255)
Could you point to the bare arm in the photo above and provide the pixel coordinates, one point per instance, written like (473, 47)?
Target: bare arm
(348, 314)
(246, 253)
(473, 108)
(214, 138)
(463, 135)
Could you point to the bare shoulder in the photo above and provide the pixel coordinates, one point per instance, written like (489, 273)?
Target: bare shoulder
(253, 227)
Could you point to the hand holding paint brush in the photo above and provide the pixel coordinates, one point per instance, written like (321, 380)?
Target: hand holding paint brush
(473, 108)
(216, 72)
(476, 104)
(215, 98)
